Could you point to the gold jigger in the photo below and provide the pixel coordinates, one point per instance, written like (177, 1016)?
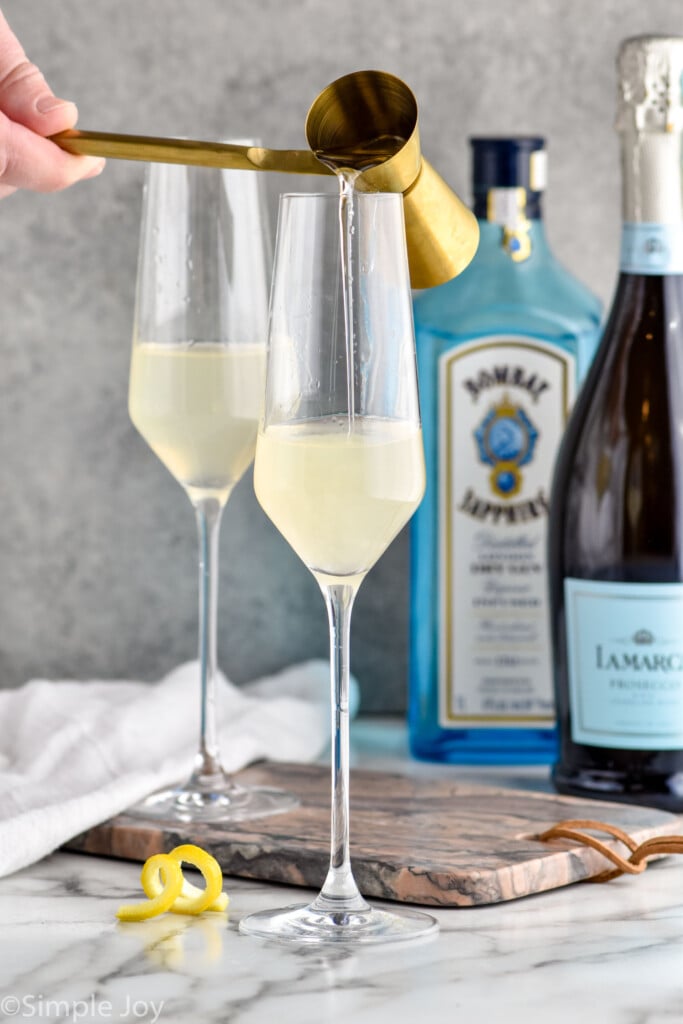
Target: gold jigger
(368, 119)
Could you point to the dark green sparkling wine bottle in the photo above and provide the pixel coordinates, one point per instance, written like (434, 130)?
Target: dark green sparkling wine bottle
(616, 520)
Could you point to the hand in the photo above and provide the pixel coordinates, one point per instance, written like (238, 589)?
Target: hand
(29, 111)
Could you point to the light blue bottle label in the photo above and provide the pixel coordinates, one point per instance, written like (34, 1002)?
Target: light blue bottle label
(625, 659)
(652, 248)
(503, 404)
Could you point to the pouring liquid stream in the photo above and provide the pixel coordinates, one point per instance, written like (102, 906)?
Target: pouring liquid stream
(348, 163)
(347, 179)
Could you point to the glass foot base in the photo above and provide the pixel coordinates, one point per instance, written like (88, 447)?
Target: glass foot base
(306, 924)
(220, 805)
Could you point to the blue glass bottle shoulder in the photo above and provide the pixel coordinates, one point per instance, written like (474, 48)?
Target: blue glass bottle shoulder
(536, 297)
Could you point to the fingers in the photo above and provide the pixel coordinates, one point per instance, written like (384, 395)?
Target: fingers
(29, 111)
(29, 161)
(25, 96)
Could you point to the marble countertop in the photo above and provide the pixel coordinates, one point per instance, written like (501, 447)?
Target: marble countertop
(597, 954)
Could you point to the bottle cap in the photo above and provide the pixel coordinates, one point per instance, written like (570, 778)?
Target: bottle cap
(512, 170)
(514, 162)
(649, 71)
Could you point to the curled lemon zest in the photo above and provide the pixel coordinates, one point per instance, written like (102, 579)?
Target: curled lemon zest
(191, 899)
(168, 874)
(220, 903)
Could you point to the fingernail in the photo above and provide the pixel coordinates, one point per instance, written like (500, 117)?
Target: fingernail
(46, 104)
(97, 169)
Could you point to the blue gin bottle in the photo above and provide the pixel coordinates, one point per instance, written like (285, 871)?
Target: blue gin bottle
(500, 351)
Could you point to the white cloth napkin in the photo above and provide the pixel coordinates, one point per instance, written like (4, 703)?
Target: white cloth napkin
(75, 753)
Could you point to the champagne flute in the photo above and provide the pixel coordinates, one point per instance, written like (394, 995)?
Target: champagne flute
(340, 469)
(196, 392)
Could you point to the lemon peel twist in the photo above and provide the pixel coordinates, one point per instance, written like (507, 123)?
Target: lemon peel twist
(167, 889)
(156, 867)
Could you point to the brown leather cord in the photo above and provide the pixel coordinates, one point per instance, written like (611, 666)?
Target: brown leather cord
(578, 830)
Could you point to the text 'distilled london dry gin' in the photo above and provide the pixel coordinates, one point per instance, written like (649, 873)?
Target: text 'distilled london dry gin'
(500, 350)
(616, 531)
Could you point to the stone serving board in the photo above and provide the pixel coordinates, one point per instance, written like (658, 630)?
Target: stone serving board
(437, 842)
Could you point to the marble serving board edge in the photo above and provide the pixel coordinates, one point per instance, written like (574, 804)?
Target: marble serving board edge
(435, 842)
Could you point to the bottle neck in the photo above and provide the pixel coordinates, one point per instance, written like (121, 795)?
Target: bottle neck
(510, 222)
(501, 204)
(652, 203)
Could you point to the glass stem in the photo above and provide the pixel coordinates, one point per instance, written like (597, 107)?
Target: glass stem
(340, 892)
(208, 768)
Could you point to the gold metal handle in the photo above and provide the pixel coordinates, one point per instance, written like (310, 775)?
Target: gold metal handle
(187, 151)
(366, 120)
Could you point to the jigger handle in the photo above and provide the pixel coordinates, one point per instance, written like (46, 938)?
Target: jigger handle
(187, 151)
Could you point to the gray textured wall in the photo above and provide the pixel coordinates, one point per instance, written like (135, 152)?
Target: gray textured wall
(97, 545)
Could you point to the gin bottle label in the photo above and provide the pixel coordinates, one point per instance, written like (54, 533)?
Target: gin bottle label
(504, 401)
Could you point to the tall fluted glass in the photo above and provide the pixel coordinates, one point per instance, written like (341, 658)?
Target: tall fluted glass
(339, 470)
(196, 394)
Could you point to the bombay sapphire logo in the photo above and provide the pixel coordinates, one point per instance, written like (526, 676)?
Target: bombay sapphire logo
(506, 439)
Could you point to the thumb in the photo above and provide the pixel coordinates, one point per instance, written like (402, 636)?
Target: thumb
(25, 96)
